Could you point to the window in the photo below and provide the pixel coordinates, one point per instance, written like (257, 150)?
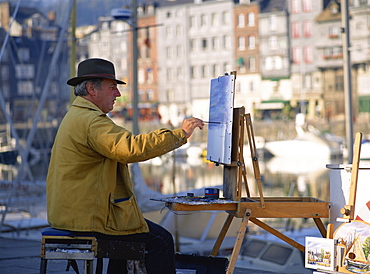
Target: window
(307, 28)
(227, 67)
(192, 22)
(150, 94)
(277, 254)
(241, 43)
(253, 248)
(273, 43)
(26, 71)
(214, 18)
(178, 30)
(307, 5)
(216, 70)
(308, 56)
(25, 88)
(334, 32)
(251, 86)
(178, 13)
(277, 62)
(308, 81)
(339, 82)
(251, 19)
(215, 43)
(179, 51)
(5, 89)
(334, 9)
(140, 11)
(192, 45)
(169, 74)
(4, 72)
(241, 21)
(251, 42)
(180, 74)
(141, 76)
(105, 25)
(296, 31)
(169, 32)
(204, 44)
(252, 64)
(150, 9)
(273, 63)
(204, 71)
(169, 52)
(150, 76)
(226, 17)
(24, 54)
(203, 20)
(296, 55)
(193, 73)
(295, 6)
(227, 41)
(273, 23)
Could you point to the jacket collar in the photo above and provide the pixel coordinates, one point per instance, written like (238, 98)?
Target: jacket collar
(84, 103)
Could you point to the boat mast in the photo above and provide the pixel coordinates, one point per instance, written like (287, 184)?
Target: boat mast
(347, 80)
(73, 48)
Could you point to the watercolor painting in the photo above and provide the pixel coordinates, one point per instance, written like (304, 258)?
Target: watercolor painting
(355, 238)
(319, 253)
(221, 119)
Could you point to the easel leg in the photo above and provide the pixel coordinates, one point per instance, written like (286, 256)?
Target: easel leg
(320, 226)
(222, 235)
(238, 242)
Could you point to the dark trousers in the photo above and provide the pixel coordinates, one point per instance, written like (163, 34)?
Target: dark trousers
(160, 256)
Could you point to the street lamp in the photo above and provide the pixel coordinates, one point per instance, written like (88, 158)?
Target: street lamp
(130, 16)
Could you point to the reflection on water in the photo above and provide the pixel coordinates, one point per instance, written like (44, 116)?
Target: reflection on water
(173, 175)
(280, 176)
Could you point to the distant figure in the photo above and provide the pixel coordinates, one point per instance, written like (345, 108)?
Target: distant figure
(89, 188)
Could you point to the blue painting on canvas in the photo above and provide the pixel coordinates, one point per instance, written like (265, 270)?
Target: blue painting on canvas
(221, 119)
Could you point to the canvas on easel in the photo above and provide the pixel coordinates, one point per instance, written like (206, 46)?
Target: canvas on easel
(221, 119)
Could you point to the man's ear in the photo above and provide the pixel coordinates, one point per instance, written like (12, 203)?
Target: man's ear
(90, 88)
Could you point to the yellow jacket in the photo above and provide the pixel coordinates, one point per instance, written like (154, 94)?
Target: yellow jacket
(88, 183)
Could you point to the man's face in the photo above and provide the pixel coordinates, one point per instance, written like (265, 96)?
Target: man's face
(106, 96)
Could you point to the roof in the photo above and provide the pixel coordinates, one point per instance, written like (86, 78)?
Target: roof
(332, 12)
(24, 12)
(166, 3)
(267, 6)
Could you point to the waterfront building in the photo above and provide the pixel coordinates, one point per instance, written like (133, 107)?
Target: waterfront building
(25, 71)
(247, 64)
(329, 59)
(275, 56)
(305, 77)
(360, 55)
(195, 44)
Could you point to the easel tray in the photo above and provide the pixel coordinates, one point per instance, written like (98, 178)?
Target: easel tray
(275, 207)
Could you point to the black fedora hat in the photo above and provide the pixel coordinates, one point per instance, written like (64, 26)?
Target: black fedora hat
(94, 68)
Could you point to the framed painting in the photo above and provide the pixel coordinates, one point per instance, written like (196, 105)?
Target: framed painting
(320, 253)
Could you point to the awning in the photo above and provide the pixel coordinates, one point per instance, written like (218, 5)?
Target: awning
(272, 104)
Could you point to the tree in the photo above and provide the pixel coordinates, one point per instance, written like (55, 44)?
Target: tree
(366, 247)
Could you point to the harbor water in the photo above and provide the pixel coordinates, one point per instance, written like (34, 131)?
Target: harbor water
(174, 174)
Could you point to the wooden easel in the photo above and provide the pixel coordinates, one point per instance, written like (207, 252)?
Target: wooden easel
(250, 208)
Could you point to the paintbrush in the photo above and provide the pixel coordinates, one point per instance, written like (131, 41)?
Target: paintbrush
(208, 122)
